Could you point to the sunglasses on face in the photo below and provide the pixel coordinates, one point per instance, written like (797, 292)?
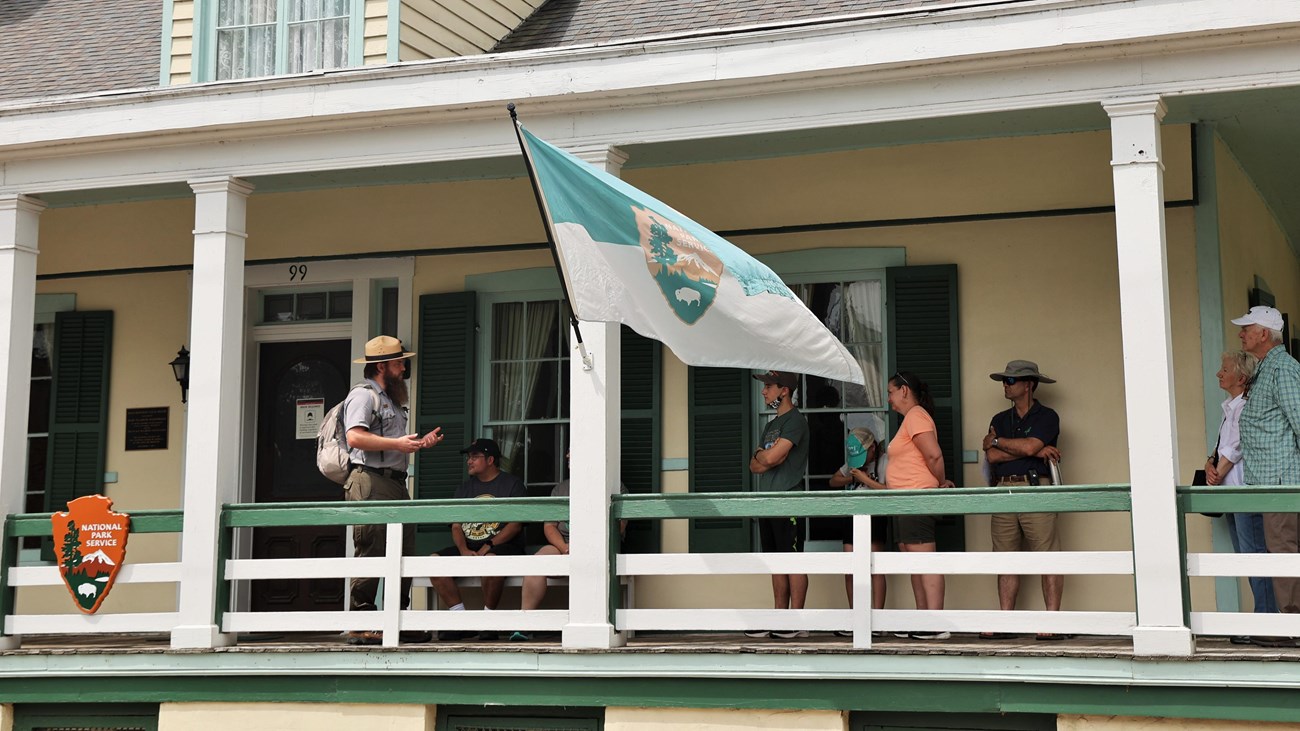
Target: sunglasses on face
(1013, 380)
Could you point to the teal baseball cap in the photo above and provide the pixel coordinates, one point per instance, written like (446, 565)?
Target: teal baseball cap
(856, 445)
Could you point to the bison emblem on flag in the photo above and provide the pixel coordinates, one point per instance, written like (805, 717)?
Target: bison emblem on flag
(686, 270)
(90, 542)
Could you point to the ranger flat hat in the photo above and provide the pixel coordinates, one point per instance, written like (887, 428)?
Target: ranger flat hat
(1022, 369)
(383, 348)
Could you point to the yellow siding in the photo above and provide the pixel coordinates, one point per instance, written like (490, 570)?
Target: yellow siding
(375, 44)
(182, 41)
(441, 28)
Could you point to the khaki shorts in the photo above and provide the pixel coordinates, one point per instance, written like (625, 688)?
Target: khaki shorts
(1035, 531)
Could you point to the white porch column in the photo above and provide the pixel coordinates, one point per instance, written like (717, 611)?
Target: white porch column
(594, 471)
(19, 218)
(216, 380)
(1148, 375)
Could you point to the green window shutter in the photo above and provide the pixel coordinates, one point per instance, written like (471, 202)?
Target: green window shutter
(83, 345)
(445, 367)
(721, 444)
(641, 430)
(921, 307)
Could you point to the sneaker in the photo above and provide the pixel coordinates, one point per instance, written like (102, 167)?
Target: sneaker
(489, 635)
(454, 635)
(415, 636)
(790, 634)
(758, 633)
(521, 637)
(1260, 641)
(903, 635)
(843, 633)
(365, 638)
(930, 635)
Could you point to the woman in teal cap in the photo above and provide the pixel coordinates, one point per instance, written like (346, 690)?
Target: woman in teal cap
(862, 470)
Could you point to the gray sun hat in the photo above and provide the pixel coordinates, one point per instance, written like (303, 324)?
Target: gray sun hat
(1022, 369)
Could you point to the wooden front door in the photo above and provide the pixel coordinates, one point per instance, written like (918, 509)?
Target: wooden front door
(297, 383)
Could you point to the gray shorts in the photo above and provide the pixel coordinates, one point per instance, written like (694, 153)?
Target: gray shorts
(912, 529)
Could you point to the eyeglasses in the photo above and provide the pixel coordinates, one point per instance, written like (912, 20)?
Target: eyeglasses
(1013, 380)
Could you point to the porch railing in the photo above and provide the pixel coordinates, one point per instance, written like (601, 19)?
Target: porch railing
(18, 527)
(391, 619)
(861, 563)
(1221, 499)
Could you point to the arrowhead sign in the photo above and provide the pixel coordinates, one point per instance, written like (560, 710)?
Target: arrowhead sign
(90, 542)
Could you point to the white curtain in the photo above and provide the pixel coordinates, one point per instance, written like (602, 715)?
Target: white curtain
(863, 333)
(521, 334)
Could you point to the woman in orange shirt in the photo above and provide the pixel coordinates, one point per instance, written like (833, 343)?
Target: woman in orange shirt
(916, 463)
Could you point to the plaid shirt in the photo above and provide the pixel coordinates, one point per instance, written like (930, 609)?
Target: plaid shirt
(1270, 422)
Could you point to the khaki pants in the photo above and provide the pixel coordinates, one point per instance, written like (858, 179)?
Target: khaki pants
(370, 540)
(1280, 531)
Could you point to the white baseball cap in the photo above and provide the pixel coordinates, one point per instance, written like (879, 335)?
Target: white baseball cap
(1262, 316)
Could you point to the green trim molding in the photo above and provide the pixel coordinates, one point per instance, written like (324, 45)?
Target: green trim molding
(681, 690)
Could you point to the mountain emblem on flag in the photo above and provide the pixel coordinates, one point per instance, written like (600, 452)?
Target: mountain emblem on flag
(686, 270)
(90, 543)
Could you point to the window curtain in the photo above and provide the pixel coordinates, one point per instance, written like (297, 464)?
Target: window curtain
(521, 334)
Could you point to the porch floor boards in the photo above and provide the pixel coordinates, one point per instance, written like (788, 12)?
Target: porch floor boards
(1207, 648)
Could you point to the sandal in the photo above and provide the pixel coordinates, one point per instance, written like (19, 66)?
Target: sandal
(997, 636)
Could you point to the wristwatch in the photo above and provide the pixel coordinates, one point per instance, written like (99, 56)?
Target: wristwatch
(995, 441)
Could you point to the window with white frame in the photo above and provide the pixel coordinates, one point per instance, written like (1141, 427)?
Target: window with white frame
(528, 377)
(267, 37)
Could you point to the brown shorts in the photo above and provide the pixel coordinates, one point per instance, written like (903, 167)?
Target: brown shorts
(914, 529)
(1035, 531)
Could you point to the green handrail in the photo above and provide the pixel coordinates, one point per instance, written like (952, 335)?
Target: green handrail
(950, 501)
(524, 510)
(1239, 499)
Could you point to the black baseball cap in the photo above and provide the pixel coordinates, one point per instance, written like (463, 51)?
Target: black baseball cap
(485, 447)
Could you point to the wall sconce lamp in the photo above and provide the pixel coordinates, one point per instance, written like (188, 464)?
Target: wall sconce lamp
(181, 369)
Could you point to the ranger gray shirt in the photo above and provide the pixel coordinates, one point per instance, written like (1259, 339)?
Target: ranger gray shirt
(389, 421)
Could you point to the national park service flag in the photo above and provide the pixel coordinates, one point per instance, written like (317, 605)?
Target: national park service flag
(627, 257)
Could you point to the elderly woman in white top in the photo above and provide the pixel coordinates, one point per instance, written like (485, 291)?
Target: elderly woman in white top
(1224, 468)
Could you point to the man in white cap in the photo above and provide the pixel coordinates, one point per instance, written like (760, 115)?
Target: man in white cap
(1270, 440)
(374, 417)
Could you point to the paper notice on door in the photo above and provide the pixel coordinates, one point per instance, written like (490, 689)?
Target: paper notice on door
(310, 411)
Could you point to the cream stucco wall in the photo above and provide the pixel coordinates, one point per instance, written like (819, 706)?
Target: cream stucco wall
(296, 717)
(1146, 723)
(1043, 288)
(1251, 245)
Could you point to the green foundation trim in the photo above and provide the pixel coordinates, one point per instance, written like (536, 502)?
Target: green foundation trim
(1253, 704)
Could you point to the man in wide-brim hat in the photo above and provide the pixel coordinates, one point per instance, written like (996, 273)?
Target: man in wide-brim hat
(1020, 442)
(374, 417)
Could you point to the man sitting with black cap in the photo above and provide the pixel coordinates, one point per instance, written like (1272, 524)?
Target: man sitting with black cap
(486, 480)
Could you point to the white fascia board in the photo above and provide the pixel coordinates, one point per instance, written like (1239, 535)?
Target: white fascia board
(444, 137)
(576, 80)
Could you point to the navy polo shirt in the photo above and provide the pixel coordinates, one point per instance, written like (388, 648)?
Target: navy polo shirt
(1039, 422)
